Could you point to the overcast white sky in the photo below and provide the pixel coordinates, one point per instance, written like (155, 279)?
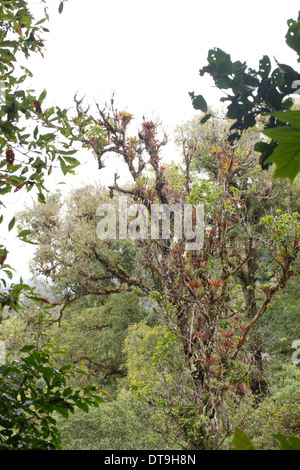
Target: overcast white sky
(149, 52)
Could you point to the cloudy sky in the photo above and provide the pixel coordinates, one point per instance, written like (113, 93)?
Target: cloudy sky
(148, 53)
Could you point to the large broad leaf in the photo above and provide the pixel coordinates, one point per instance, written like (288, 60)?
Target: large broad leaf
(198, 102)
(287, 442)
(241, 441)
(293, 36)
(291, 117)
(264, 67)
(286, 156)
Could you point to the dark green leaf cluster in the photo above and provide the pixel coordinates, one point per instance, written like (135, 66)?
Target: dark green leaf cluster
(256, 93)
(32, 390)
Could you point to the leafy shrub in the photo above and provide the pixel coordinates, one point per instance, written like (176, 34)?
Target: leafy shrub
(32, 390)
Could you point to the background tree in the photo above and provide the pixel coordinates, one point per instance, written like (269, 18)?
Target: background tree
(69, 252)
(91, 317)
(121, 424)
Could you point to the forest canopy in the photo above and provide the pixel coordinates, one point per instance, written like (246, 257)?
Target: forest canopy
(155, 339)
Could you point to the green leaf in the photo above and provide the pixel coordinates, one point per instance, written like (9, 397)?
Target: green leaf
(42, 96)
(291, 117)
(63, 166)
(49, 137)
(83, 406)
(27, 348)
(8, 273)
(199, 102)
(220, 62)
(41, 198)
(293, 36)
(264, 66)
(67, 392)
(286, 156)
(35, 132)
(73, 161)
(17, 180)
(205, 118)
(24, 233)
(287, 442)
(61, 7)
(11, 224)
(241, 441)
(62, 411)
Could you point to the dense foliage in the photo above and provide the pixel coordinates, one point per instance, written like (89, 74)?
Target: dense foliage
(192, 340)
(32, 389)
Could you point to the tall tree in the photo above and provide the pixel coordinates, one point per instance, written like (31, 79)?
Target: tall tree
(211, 298)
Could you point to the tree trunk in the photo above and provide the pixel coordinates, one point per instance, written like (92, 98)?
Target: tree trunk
(258, 383)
